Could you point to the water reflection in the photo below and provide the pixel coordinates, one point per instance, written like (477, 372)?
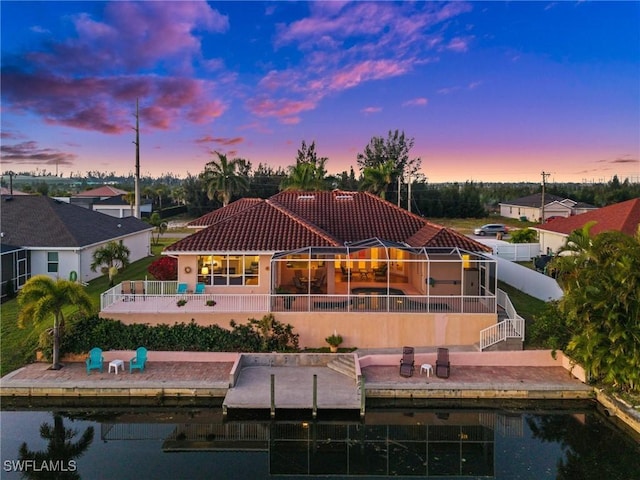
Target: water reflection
(59, 459)
(198, 443)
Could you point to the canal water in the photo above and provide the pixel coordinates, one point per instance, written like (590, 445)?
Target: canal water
(197, 443)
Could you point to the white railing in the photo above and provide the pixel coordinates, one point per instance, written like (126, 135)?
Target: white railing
(159, 297)
(512, 327)
(516, 252)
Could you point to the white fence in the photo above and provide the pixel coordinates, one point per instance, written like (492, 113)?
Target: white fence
(516, 252)
(529, 281)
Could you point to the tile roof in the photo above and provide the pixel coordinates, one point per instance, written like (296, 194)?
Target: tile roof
(623, 217)
(217, 215)
(6, 191)
(291, 220)
(535, 200)
(38, 221)
(103, 191)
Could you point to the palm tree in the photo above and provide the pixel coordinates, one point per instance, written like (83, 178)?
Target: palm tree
(377, 179)
(60, 450)
(130, 198)
(114, 255)
(223, 180)
(42, 297)
(305, 177)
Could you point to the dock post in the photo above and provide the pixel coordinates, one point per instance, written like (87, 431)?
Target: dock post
(273, 395)
(362, 397)
(314, 411)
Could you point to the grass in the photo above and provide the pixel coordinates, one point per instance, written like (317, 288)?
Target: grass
(20, 344)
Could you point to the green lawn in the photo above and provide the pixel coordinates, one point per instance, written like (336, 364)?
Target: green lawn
(18, 346)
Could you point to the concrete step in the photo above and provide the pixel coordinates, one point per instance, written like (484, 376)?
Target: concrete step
(344, 364)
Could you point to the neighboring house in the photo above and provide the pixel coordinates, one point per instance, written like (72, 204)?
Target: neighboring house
(110, 201)
(324, 262)
(622, 217)
(530, 207)
(41, 235)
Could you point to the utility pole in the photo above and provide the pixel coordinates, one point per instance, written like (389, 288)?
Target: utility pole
(409, 194)
(544, 184)
(136, 212)
(399, 180)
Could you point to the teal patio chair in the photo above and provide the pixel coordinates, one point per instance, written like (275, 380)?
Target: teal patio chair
(139, 360)
(182, 289)
(199, 288)
(94, 360)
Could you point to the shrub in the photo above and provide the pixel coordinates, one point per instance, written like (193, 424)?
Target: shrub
(263, 335)
(164, 269)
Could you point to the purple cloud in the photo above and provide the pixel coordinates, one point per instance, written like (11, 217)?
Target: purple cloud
(30, 153)
(416, 102)
(91, 81)
(371, 110)
(220, 140)
(347, 44)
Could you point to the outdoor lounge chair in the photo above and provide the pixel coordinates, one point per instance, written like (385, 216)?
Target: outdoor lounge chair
(407, 362)
(94, 360)
(139, 360)
(443, 366)
(138, 289)
(380, 273)
(346, 273)
(182, 289)
(199, 288)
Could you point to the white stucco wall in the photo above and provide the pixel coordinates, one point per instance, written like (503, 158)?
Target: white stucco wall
(529, 281)
(551, 241)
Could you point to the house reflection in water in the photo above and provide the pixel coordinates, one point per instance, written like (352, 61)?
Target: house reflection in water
(456, 443)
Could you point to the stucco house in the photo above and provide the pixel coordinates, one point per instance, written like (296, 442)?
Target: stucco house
(108, 200)
(530, 207)
(622, 217)
(325, 261)
(41, 235)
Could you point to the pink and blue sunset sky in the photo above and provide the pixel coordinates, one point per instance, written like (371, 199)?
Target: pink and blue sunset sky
(490, 91)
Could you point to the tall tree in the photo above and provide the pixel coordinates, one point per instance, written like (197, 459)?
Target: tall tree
(42, 298)
(377, 179)
(309, 173)
(223, 179)
(112, 257)
(395, 148)
(130, 198)
(159, 224)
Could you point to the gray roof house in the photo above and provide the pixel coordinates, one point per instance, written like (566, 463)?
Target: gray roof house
(530, 207)
(40, 235)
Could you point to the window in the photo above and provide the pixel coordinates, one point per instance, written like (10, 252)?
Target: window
(229, 269)
(52, 262)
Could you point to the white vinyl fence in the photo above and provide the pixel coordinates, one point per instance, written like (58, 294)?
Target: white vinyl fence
(529, 281)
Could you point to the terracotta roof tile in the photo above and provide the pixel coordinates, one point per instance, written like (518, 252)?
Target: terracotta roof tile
(623, 217)
(222, 213)
(291, 220)
(104, 191)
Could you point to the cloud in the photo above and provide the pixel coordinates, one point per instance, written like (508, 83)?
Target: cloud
(416, 102)
(621, 159)
(220, 140)
(91, 80)
(29, 153)
(448, 90)
(267, 107)
(371, 110)
(345, 45)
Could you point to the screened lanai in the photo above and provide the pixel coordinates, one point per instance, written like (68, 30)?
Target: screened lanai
(376, 267)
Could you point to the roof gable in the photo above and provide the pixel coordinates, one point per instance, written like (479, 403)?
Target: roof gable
(225, 212)
(38, 221)
(623, 217)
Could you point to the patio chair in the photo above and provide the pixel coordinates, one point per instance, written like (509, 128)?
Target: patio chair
(94, 360)
(380, 273)
(443, 366)
(138, 289)
(182, 289)
(139, 361)
(126, 291)
(407, 363)
(199, 288)
(300, 287)
(346, 273)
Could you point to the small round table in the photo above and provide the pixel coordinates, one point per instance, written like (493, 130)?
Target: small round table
(115, 364)
(426, 368)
